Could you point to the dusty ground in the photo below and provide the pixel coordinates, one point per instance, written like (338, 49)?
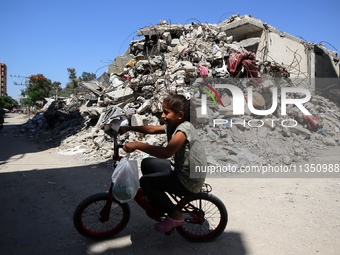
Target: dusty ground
(40, 190)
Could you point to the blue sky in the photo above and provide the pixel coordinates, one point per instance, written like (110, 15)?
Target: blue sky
(48, 37)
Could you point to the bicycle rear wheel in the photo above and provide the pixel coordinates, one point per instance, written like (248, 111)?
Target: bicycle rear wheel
(205, 217)
(87, 217)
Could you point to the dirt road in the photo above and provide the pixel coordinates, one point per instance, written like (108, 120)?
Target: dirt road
(40, 190)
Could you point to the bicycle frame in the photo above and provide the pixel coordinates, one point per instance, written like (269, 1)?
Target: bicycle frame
(153, 211)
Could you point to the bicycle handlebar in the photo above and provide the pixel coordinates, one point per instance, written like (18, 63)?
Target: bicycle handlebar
(116, 147)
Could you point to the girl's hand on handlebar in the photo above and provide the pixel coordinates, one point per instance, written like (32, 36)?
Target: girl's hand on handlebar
(130, 147)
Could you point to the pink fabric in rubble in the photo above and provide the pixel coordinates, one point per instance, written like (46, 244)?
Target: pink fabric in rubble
(204, 71)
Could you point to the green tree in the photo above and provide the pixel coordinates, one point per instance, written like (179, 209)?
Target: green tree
(87, 76)
(39, 88)
(73, 85)
(74, 81)
(65, 93)
(8, 102)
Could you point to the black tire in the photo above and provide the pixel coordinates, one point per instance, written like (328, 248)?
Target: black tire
(86, 217)
(212, 214)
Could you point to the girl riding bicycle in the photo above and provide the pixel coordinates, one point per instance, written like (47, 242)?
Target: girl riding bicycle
(161, 175)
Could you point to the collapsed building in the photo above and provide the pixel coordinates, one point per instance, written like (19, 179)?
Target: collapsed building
(171, 58)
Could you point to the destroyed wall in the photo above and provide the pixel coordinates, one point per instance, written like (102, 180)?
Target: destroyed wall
(302, 59)
(168, 58)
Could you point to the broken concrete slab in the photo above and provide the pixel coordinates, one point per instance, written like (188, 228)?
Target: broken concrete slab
(242, 27)
(249, 42)
(117, 67)
(121, 95)
(300, 131)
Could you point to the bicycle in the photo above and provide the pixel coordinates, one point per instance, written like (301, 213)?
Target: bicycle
(100, 216)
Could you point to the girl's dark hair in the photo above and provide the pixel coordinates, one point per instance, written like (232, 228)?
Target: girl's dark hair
(180, 103)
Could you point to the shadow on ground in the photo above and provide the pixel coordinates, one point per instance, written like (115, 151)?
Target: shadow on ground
(37, 210)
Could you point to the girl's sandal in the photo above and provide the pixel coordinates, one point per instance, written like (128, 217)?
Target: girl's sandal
(168, 224)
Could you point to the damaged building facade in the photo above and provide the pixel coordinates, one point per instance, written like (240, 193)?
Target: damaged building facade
(301, 59)
(171, 58)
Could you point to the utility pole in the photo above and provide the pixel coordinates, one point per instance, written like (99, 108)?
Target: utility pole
(23, 82)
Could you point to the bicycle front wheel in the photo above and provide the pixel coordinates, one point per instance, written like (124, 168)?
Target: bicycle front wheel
(205, 217)
(88, 214)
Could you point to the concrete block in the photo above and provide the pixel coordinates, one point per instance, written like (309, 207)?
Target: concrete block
(174, 42)
(138, 120)
(119, 63)
(249, 42)
(144, 107)
(121, 94)
(167, 37)
(300, 131)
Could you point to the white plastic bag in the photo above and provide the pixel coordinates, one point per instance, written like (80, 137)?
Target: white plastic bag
(126, 181)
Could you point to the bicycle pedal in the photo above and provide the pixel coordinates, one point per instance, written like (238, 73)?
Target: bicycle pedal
(170, 232)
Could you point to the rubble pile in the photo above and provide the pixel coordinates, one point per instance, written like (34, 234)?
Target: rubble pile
(57, 120)
(170, 59)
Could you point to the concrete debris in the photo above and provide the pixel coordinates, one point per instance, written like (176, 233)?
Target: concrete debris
(168, 59)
